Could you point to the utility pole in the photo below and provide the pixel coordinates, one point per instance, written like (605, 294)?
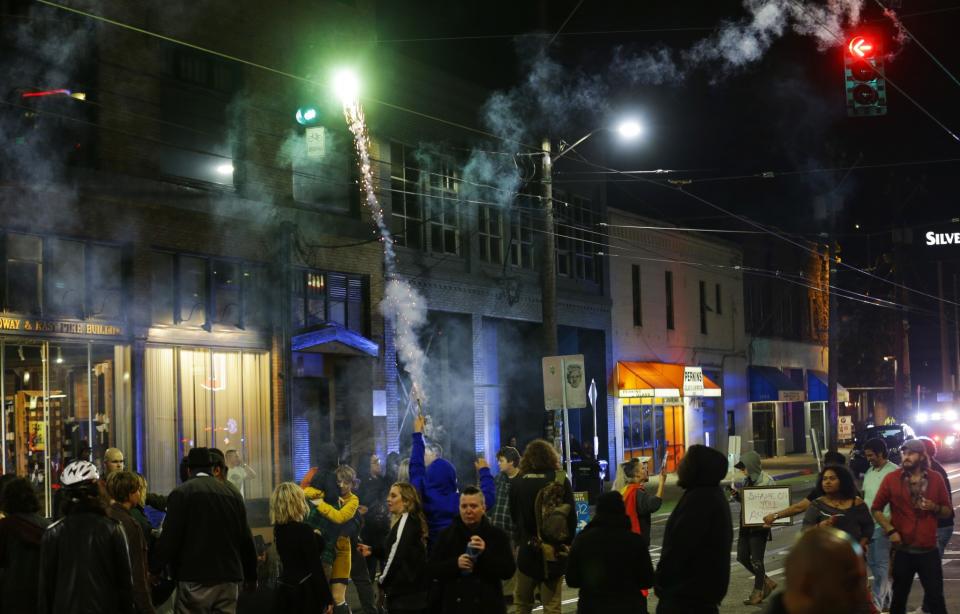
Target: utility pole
(833, 360)
(946, 383)
(548, 264)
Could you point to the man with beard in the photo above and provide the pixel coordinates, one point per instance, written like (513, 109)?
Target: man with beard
(917, 498)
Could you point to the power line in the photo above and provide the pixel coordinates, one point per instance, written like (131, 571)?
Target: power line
(921, 45)
(276, 71)
(564, 24)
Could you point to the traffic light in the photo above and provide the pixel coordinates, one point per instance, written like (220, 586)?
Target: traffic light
(863, 77)
(308, 115)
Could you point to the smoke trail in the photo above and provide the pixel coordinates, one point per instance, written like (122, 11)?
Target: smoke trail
(402, 305)
(739, 43)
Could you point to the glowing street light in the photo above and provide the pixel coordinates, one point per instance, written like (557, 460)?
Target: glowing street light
(629, 129)
(225, 169)
(346, 85)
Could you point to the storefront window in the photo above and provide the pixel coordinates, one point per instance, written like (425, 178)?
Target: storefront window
(211, 398)
(62, 402)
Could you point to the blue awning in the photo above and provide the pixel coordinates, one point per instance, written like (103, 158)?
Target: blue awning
(819, 391)
(334, 339)
(768, 384)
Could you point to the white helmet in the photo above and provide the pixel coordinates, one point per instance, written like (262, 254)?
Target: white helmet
(79, 472)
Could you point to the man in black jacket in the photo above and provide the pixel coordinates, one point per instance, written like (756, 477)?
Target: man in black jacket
(471, 559)
(694, 568)
(206, 540)
(539, 467)
(84, 565)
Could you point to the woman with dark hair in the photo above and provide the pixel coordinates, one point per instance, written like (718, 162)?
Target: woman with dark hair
(403, 581)
(21, 529)
(840, 506)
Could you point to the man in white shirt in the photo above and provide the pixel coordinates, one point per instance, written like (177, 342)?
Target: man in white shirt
(237, 472)
(878, 554)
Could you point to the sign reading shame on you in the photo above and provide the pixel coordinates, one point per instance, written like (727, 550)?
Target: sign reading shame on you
(759, 501)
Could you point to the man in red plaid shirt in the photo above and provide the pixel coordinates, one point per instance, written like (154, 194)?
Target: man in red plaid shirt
(917, 498)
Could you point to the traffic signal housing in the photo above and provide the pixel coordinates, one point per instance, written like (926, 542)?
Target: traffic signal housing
(863, 77)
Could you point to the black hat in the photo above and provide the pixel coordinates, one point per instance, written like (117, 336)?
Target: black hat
(611, 503)
(217, 457)
(199, 457)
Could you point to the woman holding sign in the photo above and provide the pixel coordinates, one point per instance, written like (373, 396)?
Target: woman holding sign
(840, 506)
(752, 541)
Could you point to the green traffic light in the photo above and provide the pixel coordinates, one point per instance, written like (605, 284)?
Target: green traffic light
(307, 116)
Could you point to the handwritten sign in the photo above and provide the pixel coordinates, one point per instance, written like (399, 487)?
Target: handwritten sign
(759, 501)
(583, 509)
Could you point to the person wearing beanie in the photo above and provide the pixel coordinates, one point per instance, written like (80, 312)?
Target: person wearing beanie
(609, 563)
(694, 569)
(917, 498)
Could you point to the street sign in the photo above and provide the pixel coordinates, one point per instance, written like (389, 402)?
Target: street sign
(316, 142)
(845, 427)
(583, 509)
(563, 385)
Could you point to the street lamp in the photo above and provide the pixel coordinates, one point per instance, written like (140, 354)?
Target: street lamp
(346, 85)
(628, 129)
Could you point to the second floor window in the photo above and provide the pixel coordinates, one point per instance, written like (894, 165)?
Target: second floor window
(521, 240)
(189, 290)
(444, 203)
(576, 241)
(47, 276)
(668, 290)
(322, 296)
(406, 221)
(490, 232)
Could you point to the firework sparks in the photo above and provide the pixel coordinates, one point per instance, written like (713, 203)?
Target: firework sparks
(402, 305)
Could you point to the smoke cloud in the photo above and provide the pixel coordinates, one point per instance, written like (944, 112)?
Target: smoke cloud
(740, 43)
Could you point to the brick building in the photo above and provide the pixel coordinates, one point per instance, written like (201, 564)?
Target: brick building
(179, 269)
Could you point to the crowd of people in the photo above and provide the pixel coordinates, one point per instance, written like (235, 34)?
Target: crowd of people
(425, 543)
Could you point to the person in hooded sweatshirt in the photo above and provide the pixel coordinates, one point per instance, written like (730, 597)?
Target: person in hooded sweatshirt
(436, 484)
(609, 563)
(694, 568)
(752, 541)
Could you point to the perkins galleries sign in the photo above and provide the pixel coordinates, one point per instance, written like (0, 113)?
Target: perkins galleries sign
(938, 239)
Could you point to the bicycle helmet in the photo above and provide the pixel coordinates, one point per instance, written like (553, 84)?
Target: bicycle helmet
(79, 472)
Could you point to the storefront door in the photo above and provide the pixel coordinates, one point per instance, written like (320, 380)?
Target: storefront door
(652, 430)
(764, 429)
(62, 402)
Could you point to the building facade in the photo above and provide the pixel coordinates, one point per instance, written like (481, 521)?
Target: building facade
(679, 342)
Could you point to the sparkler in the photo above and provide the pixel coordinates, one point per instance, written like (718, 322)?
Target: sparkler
(402, 305)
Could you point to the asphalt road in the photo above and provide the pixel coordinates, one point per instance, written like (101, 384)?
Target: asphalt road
(741, 582)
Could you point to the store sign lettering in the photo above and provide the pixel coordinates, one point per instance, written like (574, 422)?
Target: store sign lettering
(58, 327)
(943, 238)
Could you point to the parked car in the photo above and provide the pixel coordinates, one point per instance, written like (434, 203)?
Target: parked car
(892, 434)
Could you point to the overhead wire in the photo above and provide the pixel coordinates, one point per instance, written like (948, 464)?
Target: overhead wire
(921, 45)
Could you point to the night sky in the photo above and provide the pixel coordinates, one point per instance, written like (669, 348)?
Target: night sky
(721, 128)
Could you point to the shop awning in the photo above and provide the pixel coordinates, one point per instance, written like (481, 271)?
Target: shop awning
(334, 339)
(819, 391)
(771, 384)
(660, 379)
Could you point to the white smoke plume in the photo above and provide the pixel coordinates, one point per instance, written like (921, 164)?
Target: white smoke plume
(739, 43)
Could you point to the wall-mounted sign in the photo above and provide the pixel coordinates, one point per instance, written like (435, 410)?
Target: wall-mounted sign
(791, 396)
(692, 381)
(942, 238)
(31, 325)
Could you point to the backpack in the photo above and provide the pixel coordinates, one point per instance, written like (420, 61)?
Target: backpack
(552, 512)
